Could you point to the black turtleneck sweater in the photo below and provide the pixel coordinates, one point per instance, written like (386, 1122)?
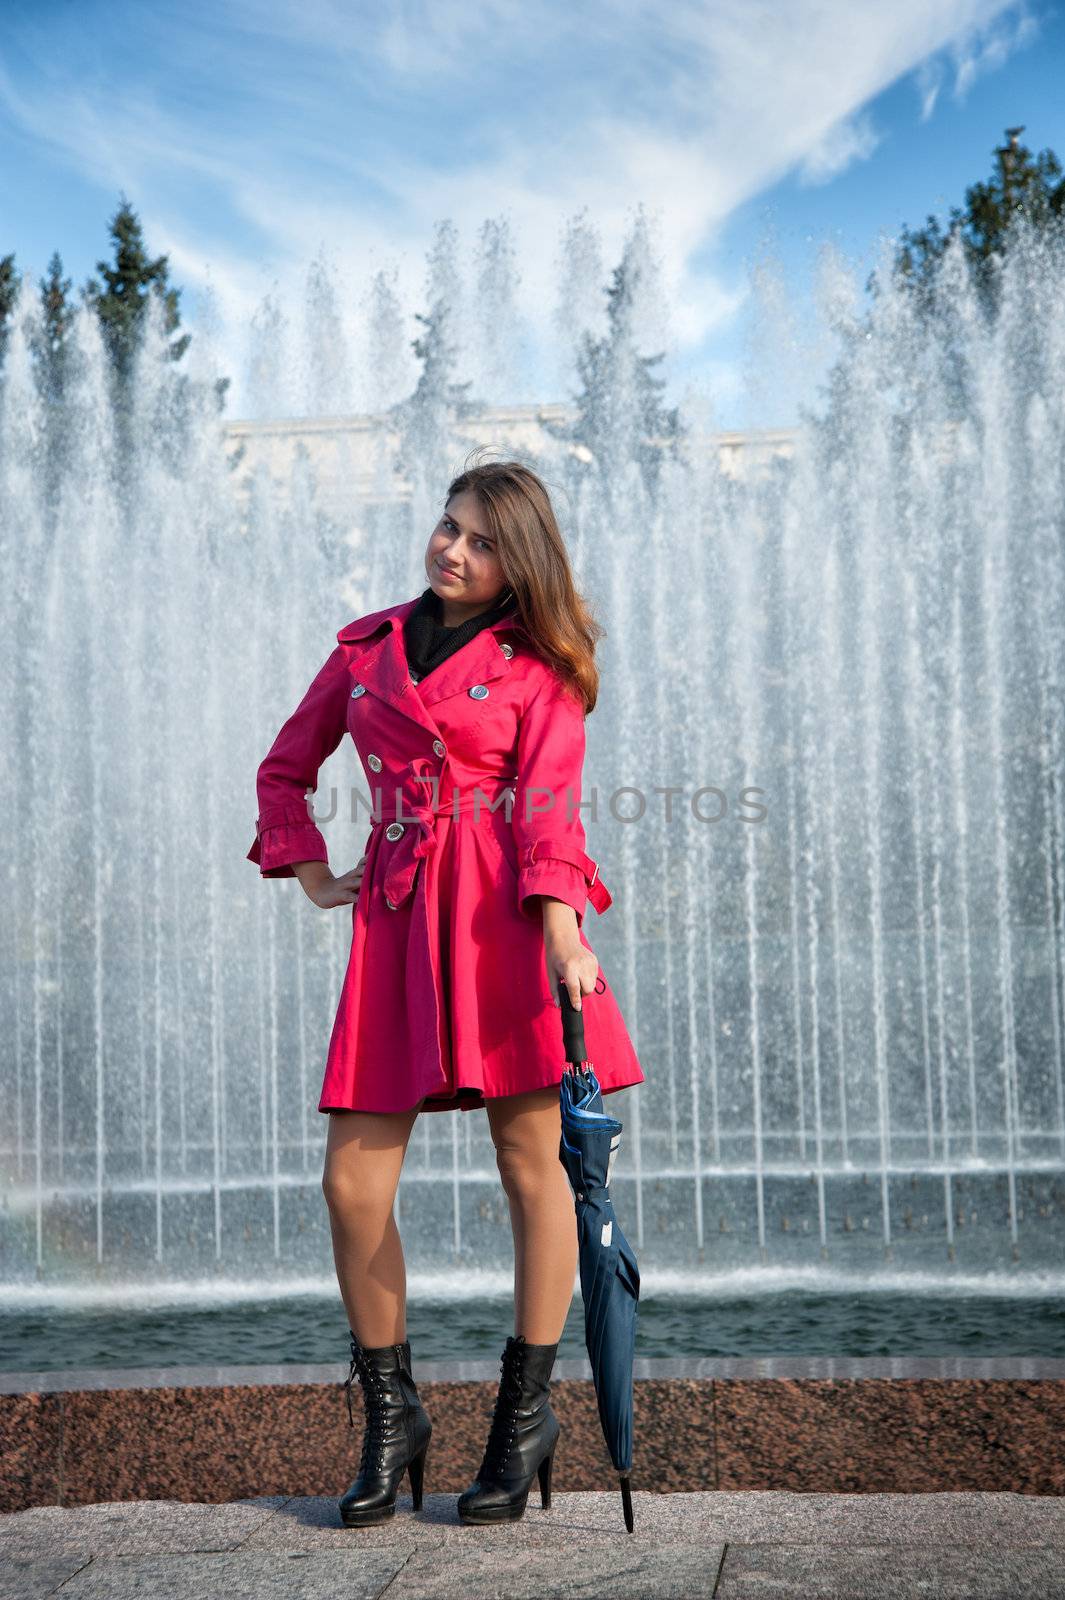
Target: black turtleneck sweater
(429, 640)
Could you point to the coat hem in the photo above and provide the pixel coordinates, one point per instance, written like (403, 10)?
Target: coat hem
(472, 1099)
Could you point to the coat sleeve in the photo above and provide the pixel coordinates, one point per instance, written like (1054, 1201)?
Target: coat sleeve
(548, 830)
(284, 830)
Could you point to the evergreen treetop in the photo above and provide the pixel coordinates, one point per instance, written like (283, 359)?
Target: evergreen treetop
(121, 302)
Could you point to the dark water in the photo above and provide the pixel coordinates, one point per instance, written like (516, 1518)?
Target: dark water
(313, 1329)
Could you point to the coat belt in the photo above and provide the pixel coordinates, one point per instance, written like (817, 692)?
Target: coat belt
(419, 837)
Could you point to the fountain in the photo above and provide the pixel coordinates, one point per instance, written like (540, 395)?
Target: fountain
(828, 766)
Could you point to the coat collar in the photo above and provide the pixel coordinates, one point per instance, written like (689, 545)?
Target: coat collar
(362, 627)
(397, 615)
(383, 669)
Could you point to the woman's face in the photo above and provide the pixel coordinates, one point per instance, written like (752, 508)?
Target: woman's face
(461, 544)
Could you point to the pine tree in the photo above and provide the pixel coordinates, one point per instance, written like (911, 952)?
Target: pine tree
(436, 352)
(8, 296)
(57, 315)
(425, 418)
(619, 405)
(1020, 186)
(122, 301)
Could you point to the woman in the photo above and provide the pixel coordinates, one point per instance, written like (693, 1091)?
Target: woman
(467, 708)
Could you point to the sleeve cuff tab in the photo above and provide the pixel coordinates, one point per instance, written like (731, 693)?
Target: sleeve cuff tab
(566, 850)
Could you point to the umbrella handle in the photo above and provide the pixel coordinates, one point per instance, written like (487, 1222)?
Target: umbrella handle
(626, 1500)
(572, 1027)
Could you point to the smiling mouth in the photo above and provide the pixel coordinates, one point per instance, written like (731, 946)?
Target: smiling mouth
(445, 571)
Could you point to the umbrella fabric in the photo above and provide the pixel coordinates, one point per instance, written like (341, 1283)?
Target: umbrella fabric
(610, 1277)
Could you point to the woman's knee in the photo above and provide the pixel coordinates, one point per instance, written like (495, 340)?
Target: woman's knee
(363, 1160)
(525, 1132)
(358, 1187)
(525, 1169)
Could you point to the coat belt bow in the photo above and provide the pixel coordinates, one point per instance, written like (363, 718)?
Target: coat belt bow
(419, 837)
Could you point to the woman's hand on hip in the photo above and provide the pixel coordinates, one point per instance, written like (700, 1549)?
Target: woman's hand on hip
(326, 891)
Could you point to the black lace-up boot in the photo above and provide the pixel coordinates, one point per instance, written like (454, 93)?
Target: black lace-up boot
(522, 1438)
(396, 1436)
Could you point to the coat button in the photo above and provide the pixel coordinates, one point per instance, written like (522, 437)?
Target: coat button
(390, 904)
(507, 649)
(394, 830)
(479, 691)
(360, 688)
(374, 762)
(438, 746)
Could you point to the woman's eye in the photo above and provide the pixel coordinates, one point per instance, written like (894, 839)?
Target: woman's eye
(451, 528)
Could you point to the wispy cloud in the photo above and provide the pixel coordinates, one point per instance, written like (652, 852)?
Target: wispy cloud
(987, 49)
(984, 47)
(852, 139)
(929, 82)
(250, 132)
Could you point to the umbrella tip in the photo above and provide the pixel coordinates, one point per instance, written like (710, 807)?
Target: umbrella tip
(626, 1501)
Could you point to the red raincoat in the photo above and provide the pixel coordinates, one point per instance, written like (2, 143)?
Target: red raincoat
(446, 987)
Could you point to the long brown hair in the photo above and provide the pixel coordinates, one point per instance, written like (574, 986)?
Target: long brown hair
(518, 510)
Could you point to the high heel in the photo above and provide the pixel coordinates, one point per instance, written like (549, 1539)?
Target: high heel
(396, 1436)
(544, 1474)
(521, 1441)
(415, 1470)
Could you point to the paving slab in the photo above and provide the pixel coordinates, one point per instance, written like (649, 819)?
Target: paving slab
(131, 1527)
(621, 1572)
(762, 1543)
(960, 1572)
(301, 1575)
(904, 1520)
(35, 1578)
(755, 1516)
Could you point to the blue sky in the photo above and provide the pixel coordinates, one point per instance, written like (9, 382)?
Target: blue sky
(249, 134)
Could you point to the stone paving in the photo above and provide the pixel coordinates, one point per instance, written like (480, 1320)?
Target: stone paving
(685, 1546)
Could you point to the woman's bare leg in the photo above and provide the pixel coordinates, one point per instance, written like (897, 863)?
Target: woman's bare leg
(363, 1160)
(525, 1131)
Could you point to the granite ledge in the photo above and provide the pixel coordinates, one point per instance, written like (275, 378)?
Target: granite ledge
(1026, 1369)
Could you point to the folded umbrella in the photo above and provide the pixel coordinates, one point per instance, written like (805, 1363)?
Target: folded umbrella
(610, 1277)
